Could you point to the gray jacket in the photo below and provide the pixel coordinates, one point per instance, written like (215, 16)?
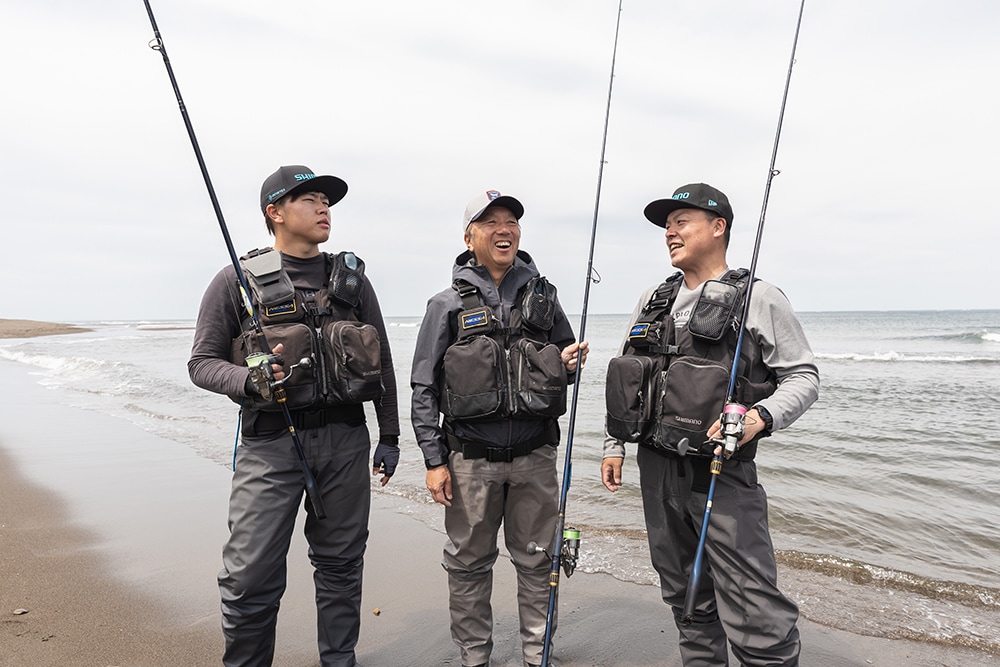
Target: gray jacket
(439, 330)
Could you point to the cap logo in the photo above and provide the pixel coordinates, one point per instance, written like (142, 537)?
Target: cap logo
(712, 202)
(492, 194)
(276, 194)
(304, 177)
(682, 195)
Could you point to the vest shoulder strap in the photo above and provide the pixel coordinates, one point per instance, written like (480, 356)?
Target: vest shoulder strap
(662, 299)
(469, 294)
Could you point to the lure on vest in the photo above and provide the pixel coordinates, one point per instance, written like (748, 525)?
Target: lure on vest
(670, 384)
(491, 372)
(322, 326)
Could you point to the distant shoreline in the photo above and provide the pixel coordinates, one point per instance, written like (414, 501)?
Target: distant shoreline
(33, 328)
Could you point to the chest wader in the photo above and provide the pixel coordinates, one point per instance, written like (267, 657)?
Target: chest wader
(668, 384)
(343, 365)
(493, 372)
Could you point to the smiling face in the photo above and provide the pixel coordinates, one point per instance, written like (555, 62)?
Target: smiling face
(493, 239)
(695, 239)
(301, 222)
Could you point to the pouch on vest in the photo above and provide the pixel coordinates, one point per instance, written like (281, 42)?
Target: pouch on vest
(269, 284)
(715, 310)
(301, 388)
(630, 396)
(691, 399)
(538, 306)
(473, 383)
(346, 279)
(352, 352)
(538, 379)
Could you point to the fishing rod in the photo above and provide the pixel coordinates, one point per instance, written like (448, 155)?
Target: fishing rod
(259, 363)
(566, 541)
(733, 417)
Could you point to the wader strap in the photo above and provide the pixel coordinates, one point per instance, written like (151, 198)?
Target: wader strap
(269, 423)
(474, 449)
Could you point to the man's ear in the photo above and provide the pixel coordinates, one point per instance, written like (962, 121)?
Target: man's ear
(274, 214)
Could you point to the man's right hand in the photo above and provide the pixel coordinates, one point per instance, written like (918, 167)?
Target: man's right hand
(439, 484)
(611, 473)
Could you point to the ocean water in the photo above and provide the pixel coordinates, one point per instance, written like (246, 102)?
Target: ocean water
(884, 497)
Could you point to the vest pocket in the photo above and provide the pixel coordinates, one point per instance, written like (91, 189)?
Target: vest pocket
(691, 399)
(473, 385)
(353, 357)
(538, 379)
(630, 397)
(301, 387)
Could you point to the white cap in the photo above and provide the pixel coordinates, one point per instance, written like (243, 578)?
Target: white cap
(486, 200)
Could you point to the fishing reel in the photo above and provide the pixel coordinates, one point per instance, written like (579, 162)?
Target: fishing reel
(262, 375)
(734, 426)
(570, 550)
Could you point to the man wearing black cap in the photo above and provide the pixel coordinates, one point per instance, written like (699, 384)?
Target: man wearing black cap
(738, 598)
(493, 355)
(297, 290)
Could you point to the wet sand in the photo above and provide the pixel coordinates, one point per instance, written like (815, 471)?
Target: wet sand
(111, 538)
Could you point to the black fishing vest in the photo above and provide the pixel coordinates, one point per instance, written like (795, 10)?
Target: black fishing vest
(492, 371)
(345, 354)
(670, 384)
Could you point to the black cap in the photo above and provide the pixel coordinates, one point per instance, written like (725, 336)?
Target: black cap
(695, 195)
(296, 177)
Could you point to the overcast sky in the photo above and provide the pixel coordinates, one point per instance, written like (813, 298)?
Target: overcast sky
(889, 152)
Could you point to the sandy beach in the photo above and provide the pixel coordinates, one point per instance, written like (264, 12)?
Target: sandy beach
(111, 538)
(32, 328)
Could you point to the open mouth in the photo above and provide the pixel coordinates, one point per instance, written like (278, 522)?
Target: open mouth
(503, 245)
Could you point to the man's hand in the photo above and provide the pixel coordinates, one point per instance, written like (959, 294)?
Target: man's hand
(385, 461)
(753, 426)
(611, 473)
(277, 368)
(571, 354)
(439, 484)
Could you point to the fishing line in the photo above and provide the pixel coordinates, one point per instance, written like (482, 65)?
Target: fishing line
(734, 414)
(278, 389)
(566, 541)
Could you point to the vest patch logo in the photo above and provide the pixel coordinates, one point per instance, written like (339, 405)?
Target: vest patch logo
(476, 319)
(286, 308)
(639, 330)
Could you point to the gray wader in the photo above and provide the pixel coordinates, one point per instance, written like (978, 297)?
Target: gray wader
(267, 492)
(523, 496)
(738, 597)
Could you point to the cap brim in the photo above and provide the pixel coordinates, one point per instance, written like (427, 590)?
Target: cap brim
(657, 211)
(333, 187)
(508, 203)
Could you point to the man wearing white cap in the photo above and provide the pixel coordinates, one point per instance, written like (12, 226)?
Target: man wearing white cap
(494, 356)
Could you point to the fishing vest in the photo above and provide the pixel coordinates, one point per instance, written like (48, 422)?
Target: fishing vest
(492, 371)
(322, 326)
(670, 384)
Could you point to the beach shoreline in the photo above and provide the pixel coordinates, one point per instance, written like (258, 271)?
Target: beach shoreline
(111, 537)
(33, 328)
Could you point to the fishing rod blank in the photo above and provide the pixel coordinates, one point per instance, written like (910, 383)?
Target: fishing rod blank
(733, 417)
(566, 541)
(262, 361)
